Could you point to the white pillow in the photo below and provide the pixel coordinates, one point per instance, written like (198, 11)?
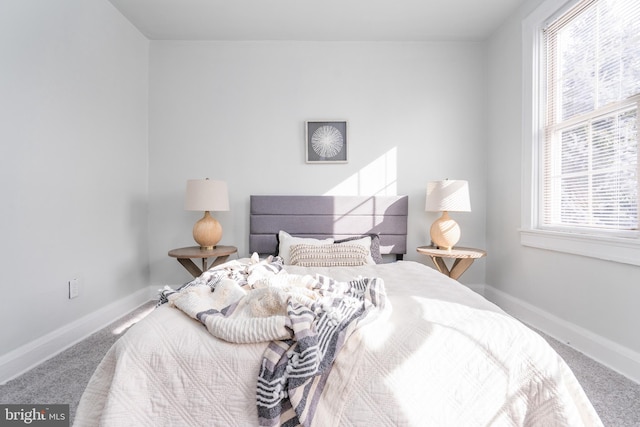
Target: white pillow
(286, 240)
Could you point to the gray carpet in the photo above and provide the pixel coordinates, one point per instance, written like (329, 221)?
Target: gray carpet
(615, 397)
(63, 378)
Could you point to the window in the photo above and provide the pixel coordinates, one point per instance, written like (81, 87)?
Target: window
(590, 145)
(584, 125)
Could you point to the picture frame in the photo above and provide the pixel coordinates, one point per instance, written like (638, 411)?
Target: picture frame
(326, 141)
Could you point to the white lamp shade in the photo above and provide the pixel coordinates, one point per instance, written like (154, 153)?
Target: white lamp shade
(206, 195)
(448, 195)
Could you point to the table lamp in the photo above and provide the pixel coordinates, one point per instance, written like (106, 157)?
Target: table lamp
(445, 196)
(207, 195)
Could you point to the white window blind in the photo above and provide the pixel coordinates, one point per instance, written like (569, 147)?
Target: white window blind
(589, 154)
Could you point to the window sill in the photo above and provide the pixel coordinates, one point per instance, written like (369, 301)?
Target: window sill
(617, 249)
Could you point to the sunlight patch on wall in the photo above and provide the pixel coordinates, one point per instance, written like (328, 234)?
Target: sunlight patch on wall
(378, 178)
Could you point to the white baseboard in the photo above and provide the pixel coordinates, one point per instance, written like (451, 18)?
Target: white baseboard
(613, 355)
(28, 356)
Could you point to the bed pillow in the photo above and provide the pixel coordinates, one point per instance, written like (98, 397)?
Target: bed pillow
(286, 240)
(374, 248)
(332, 255)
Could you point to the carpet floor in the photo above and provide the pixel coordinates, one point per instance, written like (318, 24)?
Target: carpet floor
(62, 379)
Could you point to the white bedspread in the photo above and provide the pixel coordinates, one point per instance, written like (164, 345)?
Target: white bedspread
(445, 357)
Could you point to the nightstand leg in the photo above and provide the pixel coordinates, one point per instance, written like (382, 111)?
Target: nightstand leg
(190, 266)
(460, 266)
(440, 265)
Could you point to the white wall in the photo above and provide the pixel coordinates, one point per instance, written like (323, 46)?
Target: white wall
(589, 302)
(73, 163)
(236, 111)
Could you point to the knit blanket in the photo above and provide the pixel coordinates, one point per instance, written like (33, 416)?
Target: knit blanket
(305, 319)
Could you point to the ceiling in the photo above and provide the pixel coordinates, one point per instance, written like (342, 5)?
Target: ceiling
(307, 20)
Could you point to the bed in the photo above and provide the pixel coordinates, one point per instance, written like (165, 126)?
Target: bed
(330, 334)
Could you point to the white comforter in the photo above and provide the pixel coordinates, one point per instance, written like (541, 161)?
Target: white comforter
(445, 357)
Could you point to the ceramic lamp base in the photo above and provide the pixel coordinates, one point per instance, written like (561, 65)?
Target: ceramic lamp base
(207, 232)
(445, 232)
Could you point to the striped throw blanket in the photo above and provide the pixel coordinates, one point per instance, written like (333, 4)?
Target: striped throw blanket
(305, 319)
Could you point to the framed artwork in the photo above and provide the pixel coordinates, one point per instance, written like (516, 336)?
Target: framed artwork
(326, 142)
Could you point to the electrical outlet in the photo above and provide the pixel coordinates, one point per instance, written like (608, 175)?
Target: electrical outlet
(74, 288)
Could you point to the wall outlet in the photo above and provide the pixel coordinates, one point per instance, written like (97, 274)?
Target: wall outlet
(74, 288)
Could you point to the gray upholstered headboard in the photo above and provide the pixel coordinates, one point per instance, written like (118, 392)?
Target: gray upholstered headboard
(329, 216)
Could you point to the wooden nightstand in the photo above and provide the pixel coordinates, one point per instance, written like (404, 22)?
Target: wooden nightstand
(184, 255)
(464, 257)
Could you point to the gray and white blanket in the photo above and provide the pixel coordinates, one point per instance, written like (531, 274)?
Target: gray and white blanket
(305, 319)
